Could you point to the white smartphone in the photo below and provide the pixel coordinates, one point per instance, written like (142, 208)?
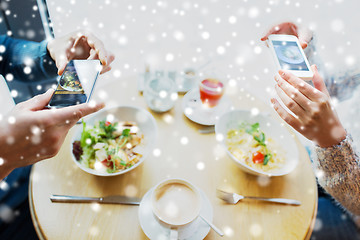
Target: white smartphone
(76, 84)
(6, 100)
(289, 55)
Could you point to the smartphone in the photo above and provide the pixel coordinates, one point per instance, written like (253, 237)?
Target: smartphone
(7, 101)
(76, 84)
(289, 55)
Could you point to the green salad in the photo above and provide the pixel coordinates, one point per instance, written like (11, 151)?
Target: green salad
(108, 147)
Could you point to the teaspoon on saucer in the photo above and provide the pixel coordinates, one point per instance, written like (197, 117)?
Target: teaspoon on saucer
(216, 229)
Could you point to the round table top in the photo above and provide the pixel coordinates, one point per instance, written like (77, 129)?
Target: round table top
(198, 159)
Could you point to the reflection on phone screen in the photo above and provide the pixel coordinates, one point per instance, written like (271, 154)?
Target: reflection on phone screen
(76, 83)
(289, 55)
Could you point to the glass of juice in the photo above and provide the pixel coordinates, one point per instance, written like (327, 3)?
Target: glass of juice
(211, 91)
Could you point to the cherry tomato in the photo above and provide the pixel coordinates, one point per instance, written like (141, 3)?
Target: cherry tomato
(107, 163)
(107, 123)
(258, 157)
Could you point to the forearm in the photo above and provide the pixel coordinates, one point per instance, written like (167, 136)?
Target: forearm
(338, 171)
(26, 60)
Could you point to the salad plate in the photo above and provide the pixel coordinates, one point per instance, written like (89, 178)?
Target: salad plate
(114, 141)
(154, 230)
(197, 112)
(229, 126)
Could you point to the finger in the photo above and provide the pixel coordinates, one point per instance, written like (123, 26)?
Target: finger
(283, 28)
(287, 117)
(289, 103)
(273, 30)
(39, 102)
(106, 69)
(293, 29)
(61, 66)
(99, 47)
(293, 93)
(71, 115)
(318, 81)
(311, 93)
(303, 44)
(93, 55)
(111, 58)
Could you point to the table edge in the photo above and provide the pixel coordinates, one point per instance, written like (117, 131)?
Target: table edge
(37, 227)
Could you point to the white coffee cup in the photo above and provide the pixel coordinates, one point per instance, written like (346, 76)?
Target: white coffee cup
(176, 204)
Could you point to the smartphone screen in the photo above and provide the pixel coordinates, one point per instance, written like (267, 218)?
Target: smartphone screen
(289, 55)
(76, 83)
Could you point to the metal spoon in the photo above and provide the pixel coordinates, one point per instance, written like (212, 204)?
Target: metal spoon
(217, 230)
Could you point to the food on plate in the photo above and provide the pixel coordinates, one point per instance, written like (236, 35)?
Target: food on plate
(248, 143)
(108, 147)
(71, 82)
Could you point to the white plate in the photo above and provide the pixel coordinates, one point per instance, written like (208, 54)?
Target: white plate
(154, 230)
(271, 128)
(144, 120)
(197, 112)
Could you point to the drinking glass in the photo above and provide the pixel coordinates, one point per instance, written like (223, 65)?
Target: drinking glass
(160, 93)
(211, 91)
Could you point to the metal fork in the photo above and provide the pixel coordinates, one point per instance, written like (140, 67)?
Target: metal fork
(234, 198)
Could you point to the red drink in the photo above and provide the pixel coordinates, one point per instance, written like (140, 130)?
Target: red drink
(211, 90)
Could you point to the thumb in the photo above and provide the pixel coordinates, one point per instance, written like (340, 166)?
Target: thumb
(318, 81)
(72, 114)
(39, 102)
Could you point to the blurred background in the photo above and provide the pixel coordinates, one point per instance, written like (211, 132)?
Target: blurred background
(174, 35)
(22, 19)
(180, 34)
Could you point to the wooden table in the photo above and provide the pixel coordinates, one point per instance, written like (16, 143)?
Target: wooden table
(246, 220)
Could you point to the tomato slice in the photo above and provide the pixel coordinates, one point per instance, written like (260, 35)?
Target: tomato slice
(258, 157)
(107, 123)
(107, 163)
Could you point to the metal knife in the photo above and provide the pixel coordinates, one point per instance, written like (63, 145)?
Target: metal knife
(115, 199)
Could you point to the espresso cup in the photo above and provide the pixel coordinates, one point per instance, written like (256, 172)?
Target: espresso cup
(176, 205)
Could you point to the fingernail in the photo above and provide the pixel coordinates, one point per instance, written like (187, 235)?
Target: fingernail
(272, 101)
(276, 78)
(315, 67)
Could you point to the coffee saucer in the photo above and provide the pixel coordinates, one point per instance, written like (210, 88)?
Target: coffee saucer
(154, 230)
(197, 112)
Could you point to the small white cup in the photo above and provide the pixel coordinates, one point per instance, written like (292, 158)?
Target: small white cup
(176, 205)
(160, 93)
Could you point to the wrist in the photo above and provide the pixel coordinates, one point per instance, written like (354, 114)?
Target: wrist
(6, 150)
(336, 137)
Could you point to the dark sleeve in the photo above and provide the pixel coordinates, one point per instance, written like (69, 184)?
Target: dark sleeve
(26, 60)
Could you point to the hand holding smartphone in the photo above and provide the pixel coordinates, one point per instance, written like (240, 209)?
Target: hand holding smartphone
(289, 55)
(76, 84)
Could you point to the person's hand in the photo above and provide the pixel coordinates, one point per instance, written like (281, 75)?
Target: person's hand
(79, 45)
(289, 28)
(315, 118)
(30, 133)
